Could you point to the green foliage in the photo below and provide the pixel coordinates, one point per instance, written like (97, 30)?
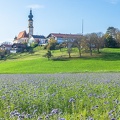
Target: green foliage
(34, 44)
(3, 54)
(111, 31)
(29, 49)
(110, 42)
(112, 37)
(52, 44)
(57, 47)
(48, 54)
(45, 47)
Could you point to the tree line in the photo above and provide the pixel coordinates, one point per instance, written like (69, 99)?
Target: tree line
(89, 42)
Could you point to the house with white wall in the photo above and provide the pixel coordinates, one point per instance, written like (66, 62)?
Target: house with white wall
(21, 38)
(60, 38)
(39, 39)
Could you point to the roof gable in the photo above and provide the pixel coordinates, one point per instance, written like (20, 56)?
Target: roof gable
(38, 36)
(59, 35)
(22, 34)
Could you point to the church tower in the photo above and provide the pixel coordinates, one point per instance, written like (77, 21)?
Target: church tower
(30, 23)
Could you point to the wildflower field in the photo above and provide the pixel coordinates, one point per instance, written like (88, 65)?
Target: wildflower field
(84, 96)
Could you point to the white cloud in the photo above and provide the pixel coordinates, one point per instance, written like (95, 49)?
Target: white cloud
(35, 6)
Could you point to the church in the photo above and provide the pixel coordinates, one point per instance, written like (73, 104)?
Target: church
(24, 37)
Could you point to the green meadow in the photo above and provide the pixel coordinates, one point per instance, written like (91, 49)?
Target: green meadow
(108, 60)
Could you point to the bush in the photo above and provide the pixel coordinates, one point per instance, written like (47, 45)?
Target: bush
(2, 54)
(48, 54)
(57, 47)
(34, 44)
(52, 44)
(51, 47)
(29, 49)
(45, 47)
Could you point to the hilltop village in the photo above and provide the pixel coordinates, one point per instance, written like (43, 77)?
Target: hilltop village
(29, 38)
(27, 41)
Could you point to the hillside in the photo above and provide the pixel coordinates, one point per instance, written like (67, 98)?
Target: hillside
(107, 61)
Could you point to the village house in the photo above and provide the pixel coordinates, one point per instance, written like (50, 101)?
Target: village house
(21, 38)
(6, 47)
(60, 38)
(39, 39)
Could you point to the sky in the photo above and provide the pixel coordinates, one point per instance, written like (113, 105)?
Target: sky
(57, 16)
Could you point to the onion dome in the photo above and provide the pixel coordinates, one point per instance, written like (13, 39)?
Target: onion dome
(30, 16)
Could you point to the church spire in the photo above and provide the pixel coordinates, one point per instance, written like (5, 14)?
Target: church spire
(30, 23)
(30, 16)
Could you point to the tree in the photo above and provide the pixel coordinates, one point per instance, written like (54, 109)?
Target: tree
(49, 54)
(78, 44)
(111, 37)
(110, 42)
(62, 45)
(99, 42)
(2, 54)
(52, 44)
(118, 39)
(90, 40)
(69, 44)
(112, 32)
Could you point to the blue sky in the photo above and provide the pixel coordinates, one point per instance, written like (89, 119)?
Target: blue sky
(59, 16)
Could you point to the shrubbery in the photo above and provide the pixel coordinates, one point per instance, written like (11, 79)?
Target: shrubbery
(2, 54)
(51, 45)
(34, 44)
(48, 54)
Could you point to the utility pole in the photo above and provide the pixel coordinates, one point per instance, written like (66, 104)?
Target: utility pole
(82, 26)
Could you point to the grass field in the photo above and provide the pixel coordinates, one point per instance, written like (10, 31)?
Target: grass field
(107, 61)
(85, 96)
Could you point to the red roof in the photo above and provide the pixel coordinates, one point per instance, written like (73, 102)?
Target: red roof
(22, 34)
(59, 35)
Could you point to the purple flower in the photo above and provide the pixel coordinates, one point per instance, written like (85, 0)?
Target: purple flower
(54, 111)
(3, 97)
(71, 100)
(47, 117)
(90, 118)
(113, 119)
(39, 118)
(61, 119)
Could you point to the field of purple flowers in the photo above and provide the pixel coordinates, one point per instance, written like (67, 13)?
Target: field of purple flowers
(84, 96)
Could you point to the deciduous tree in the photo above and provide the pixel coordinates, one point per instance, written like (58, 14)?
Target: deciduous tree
(78, 44)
